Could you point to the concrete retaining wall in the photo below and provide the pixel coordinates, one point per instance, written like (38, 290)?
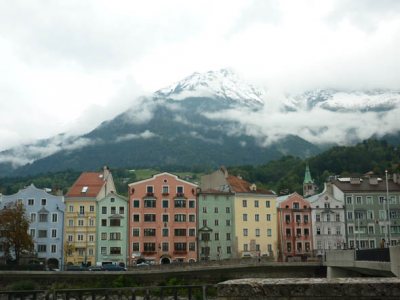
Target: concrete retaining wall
(310, 288)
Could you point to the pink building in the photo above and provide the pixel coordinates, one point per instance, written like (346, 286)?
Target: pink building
(162, 226)
(294, 226)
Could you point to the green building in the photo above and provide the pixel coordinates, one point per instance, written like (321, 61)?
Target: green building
(372, 206)
(215, 225)
(112, 224)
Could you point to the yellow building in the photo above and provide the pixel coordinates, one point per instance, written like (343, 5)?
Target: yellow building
(255, 220)
(254, 212)
(80, 216)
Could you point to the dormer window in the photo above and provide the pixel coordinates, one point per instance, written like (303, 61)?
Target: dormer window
(85, 189)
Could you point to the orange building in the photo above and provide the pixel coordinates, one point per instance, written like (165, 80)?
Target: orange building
(294, 225)
(162, 226)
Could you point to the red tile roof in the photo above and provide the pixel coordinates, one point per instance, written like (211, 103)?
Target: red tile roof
(92, 180)
(239, 185)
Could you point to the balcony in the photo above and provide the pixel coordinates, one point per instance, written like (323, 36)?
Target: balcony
(149, 194)
(180, 195)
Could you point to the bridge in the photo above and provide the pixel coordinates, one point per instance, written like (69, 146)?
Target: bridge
(383, 262)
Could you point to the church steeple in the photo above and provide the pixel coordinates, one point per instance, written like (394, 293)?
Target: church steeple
(309, 187)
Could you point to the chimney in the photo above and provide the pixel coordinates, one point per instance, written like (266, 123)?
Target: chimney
(253, 187)
(355, 180)
(373, 180)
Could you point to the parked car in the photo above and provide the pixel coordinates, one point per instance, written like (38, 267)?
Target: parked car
(142, 264)
(96, 268)
(112, 267)
(75, 268)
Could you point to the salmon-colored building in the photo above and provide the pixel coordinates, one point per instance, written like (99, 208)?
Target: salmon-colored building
(162, 226)
(294, 225)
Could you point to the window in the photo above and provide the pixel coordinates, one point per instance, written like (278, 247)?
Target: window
(91, 222)
(256, 204)
(180, 247)
(256, 217)
(91, 238)
(318, 218)
(103, 222)
(115, 222)
(149, 190)
(115, 236)
(165, 203)
(358, 200)
(287, 219)
(228, 250)
(115, 250)
(179, 190)
(351, 229)
(135, 247)
(31, 201)
(192, 246)
(381, 199)
(81, 210)
(268, 204)
(42, 217)
(33, 217)
(204, 209)
(245, 232)
(244, 203)
(382, 214)
(165, 247)
(104, 210)
(54, 233)
(192, 218)
(91, 208)
(329, 231)
(165, 232)
(53, 248)
(180, 218)
(165, 189)
(327, 205)
(350, 215)
(298, 232)
(269, 247)
(337, 217)
(305, 219)
(328, 217)
(70, 223)
(318, 230)
(91, 251)
(228, 222)
(306, 232)
(245, 217)
(54, 218)
(70, 238)
(371, 229)
(135, 231)
(80, 237)
(216, 236)
(192, 232)
(245, 247)
(228, 236)
(149, 232)
(113, 210)
(71, 208)
(180, 203)
(149, 247)
(228, 210)
(289, 247)
(216, 210)
(32, 233)
(149, 203)
(180, 232)
(349, 200)
(368, 200)
(268, 217)
(192, 204)
(298, 218)
(165, 218)
(204, 222)
(296, 205)
(42, 248)
(370, 214)
(80, 222)
(136, 203)
(257, 232)
(216, 222)
(44, 201)
(288, 232)
(205, 236)
(149, 217)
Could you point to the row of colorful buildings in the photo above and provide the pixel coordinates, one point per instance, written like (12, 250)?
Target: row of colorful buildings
(166, 219)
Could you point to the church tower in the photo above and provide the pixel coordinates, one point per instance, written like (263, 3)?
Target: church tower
(309, 187)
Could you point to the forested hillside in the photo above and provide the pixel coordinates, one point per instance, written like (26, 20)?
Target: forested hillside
(283, 176)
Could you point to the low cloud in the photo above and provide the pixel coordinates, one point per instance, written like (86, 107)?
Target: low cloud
(131, 136)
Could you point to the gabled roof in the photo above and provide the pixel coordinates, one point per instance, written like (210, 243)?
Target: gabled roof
(88, 184)
(238, 185)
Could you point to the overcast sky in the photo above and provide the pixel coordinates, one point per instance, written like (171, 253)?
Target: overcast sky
(68, 65)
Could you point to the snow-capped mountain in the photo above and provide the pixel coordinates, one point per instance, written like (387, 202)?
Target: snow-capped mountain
(222, 84)
(346, 101)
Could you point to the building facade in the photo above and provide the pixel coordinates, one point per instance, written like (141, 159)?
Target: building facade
(253, 215)
(112, 229)
(215, 225)
(163, 218)
(81, 218)
(295, 228)
(372, 206)
(46, 214)
(328, 221)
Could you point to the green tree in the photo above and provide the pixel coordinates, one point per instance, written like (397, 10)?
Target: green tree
(14, 227)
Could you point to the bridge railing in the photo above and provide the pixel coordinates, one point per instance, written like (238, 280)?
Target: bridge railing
(132, 293)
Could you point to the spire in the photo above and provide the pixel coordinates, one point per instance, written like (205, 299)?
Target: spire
(307, 176)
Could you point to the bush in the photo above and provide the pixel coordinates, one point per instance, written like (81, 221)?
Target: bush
(22, 286)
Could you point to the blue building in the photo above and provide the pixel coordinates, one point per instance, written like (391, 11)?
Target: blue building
(46, 214)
